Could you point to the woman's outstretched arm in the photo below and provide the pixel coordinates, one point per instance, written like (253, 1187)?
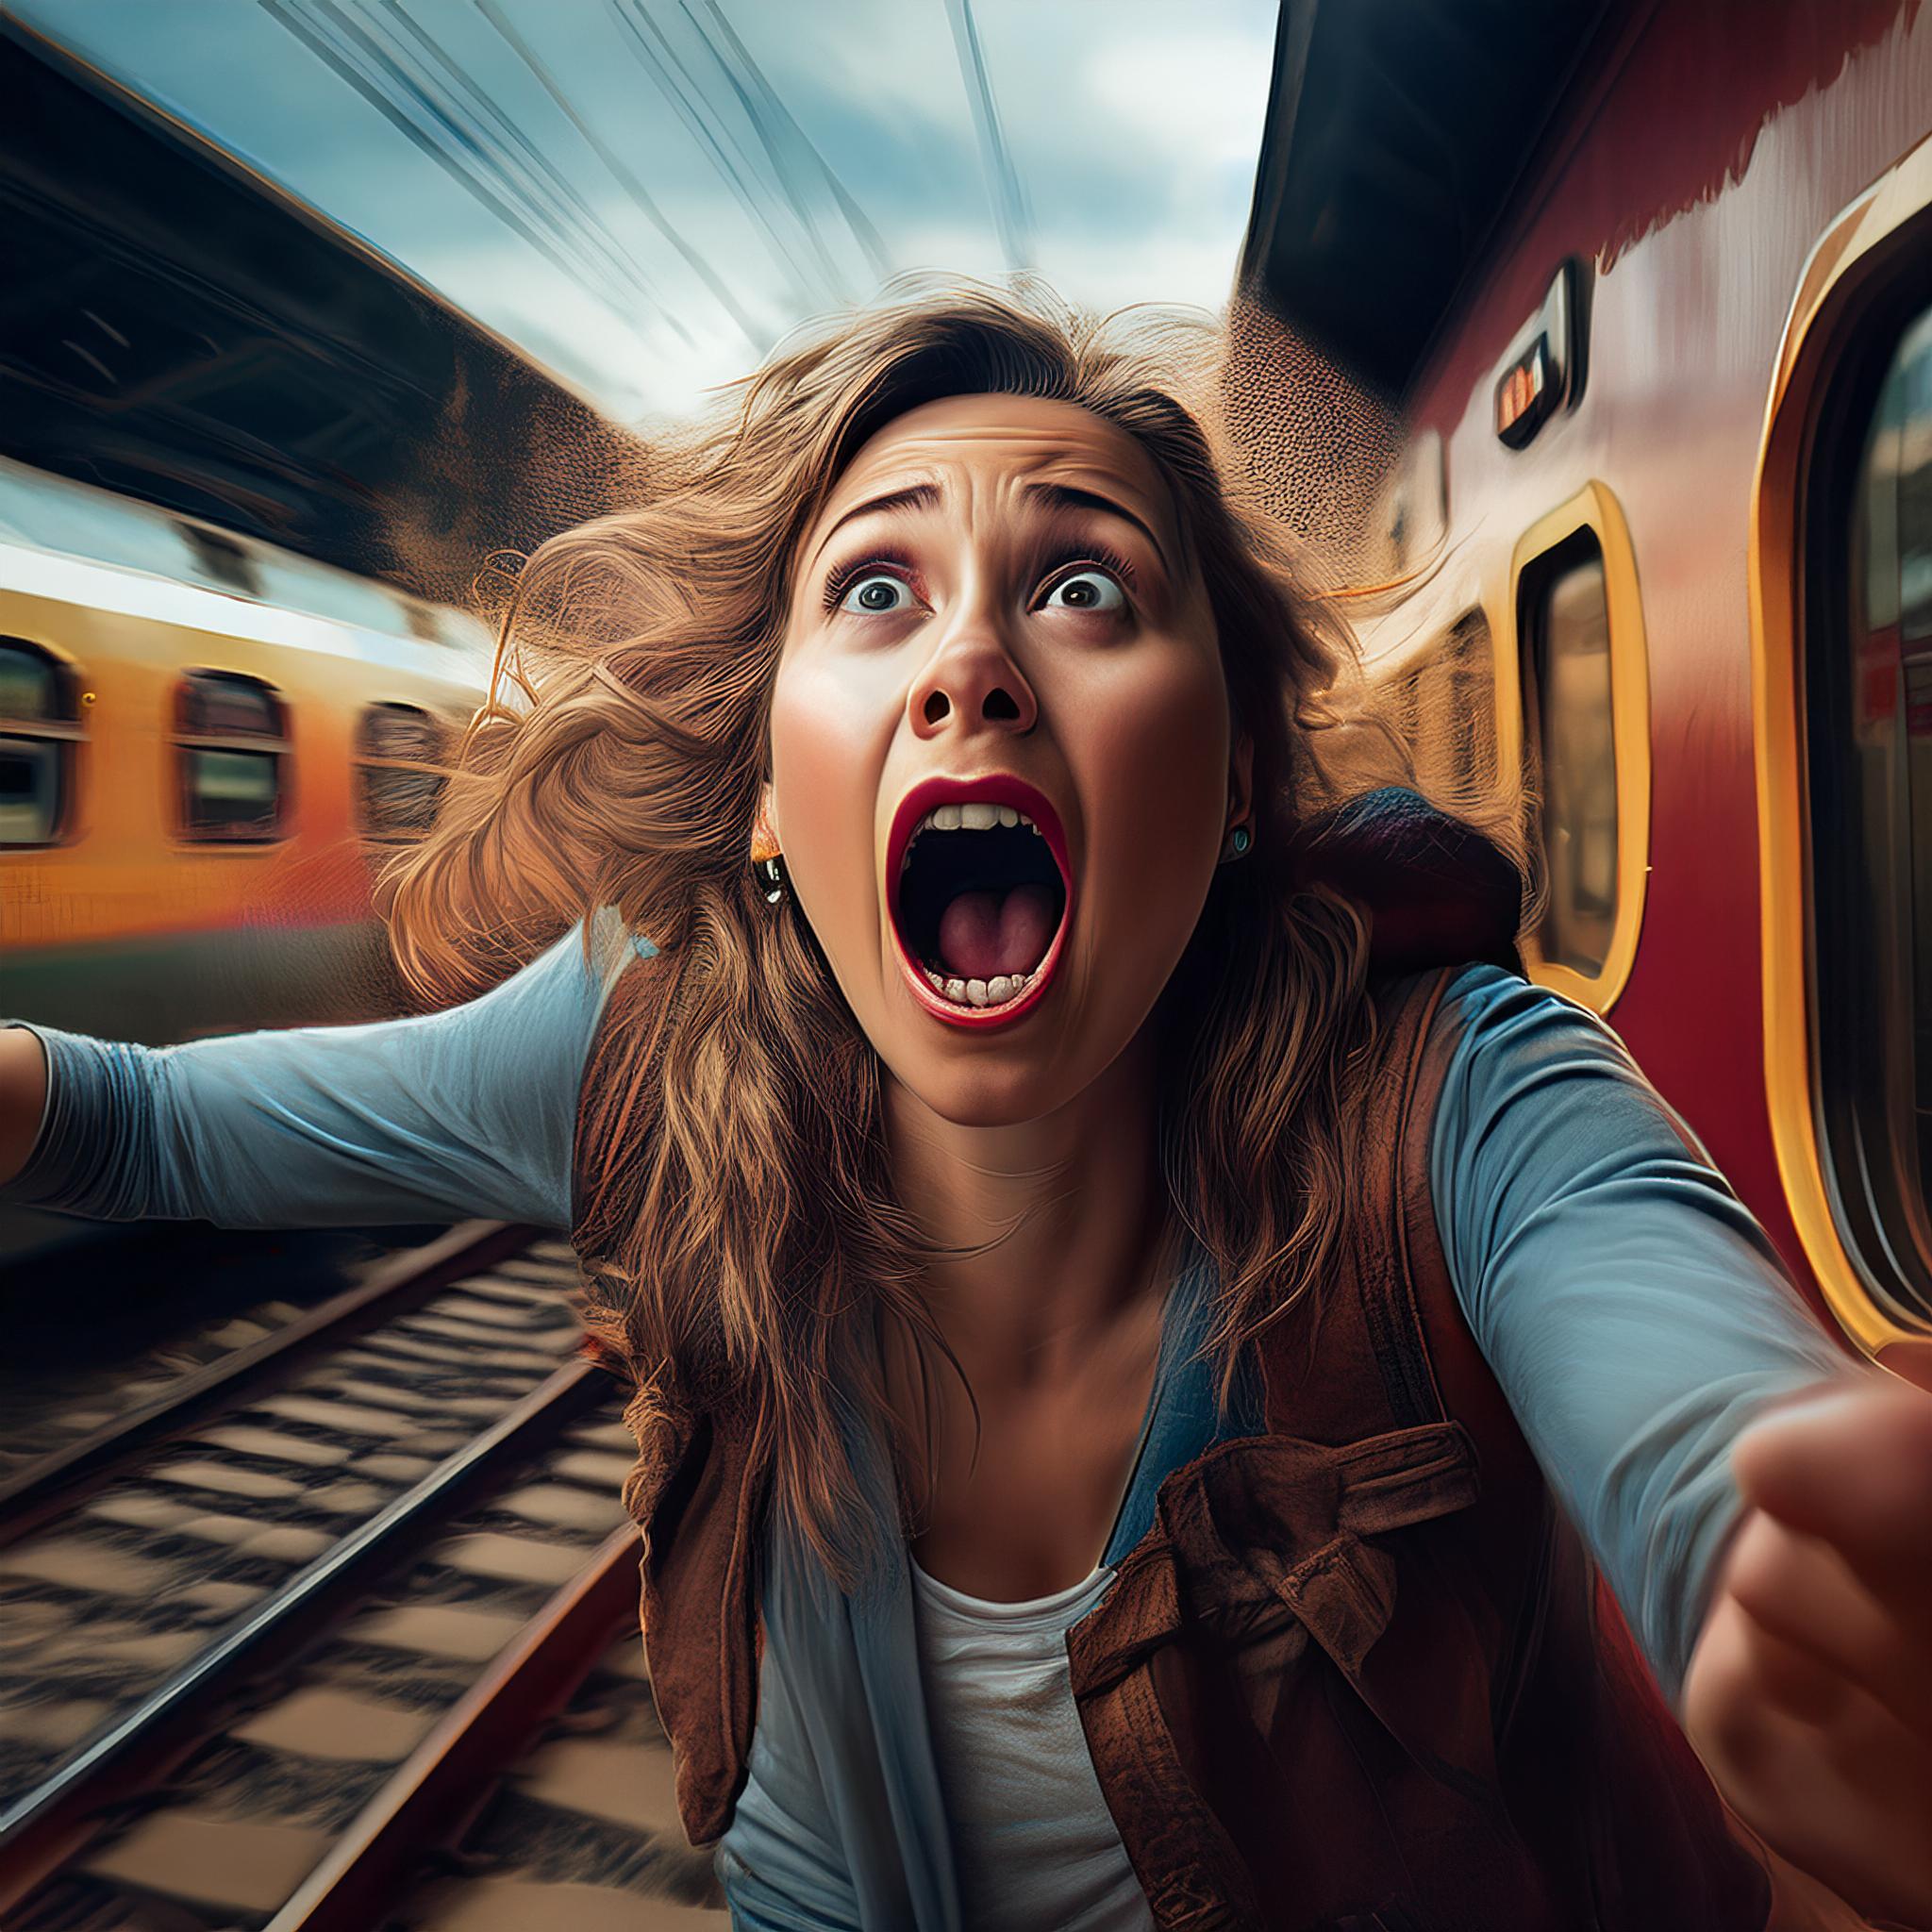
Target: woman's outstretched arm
(468, 1111)
(1635, 1313)
(1769, 1552)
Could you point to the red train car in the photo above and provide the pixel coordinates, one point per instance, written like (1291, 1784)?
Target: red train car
(1655, 285)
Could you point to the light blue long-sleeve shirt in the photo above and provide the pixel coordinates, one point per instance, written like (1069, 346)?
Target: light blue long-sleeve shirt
(1634, 1313)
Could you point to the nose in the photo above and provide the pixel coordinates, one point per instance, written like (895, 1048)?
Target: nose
(970, 682)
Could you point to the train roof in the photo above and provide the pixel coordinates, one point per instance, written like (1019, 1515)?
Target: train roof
(177, 329)
(58, 517)
(1395, 136)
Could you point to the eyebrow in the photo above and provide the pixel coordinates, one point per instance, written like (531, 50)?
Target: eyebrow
(1063, 496)
(1054, 495)
(917, 496)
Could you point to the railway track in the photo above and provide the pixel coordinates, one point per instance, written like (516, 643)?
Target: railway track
(111, 1326)
(340, 1632)
(223, 1360)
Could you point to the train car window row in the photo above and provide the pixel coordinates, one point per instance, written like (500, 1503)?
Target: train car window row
(222, 558)
(232, 757)
(39, 731)
(231, 754)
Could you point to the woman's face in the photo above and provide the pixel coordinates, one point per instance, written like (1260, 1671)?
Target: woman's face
(1001, 764)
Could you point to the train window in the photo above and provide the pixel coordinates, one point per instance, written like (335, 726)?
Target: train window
(1572, 711)
(39, 732)
(1570, 737)
(1869, 679)
(1448, 711)
(222, 560)
(49, 513)
(1840, 550)
(396, 797)
(232, 754)
(1470, 699)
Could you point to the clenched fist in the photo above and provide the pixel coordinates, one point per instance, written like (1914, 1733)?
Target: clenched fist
(1809, 1694)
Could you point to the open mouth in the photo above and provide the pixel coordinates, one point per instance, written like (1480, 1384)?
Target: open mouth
(979, 895)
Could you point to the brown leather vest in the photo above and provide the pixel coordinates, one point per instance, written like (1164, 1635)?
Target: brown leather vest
(1360, 1676)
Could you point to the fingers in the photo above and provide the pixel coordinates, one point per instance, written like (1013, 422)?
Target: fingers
(1829, 1777)
(1852, 1466)
(1800, 1592)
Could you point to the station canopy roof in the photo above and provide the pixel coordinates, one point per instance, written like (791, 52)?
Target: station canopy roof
(1397, 132)
(176, 330)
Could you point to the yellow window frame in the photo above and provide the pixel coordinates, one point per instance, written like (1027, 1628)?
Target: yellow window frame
(1594, 509)
(1851, 258)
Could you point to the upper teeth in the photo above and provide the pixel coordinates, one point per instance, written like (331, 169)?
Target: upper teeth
(971, 816)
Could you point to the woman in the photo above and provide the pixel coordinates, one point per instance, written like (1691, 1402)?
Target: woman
(1091, 1310)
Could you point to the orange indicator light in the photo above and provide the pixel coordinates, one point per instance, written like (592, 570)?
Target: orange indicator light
(1523, 396)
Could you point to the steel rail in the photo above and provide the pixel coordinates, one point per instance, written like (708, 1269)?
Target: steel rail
(40, 1830)
(32, 1496)
(432, 1792)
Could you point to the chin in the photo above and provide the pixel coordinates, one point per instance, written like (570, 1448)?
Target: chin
(986, 1090)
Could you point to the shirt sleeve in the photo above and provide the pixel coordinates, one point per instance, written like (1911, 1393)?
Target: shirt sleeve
(439, 1116)
(1635, 1314)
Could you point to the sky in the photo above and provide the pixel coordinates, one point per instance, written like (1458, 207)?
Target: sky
(644, 195)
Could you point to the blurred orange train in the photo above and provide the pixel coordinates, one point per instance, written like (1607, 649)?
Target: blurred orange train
(204, 742)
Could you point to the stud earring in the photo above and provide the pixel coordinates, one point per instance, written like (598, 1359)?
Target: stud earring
(1238, 842)
(767, 862)
(770, 874)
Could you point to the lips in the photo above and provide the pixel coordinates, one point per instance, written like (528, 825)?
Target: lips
(995, 788)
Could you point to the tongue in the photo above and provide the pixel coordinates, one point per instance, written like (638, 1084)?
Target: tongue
(985, 934)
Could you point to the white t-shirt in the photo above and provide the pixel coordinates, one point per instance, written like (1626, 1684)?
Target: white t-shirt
(1038, 1849)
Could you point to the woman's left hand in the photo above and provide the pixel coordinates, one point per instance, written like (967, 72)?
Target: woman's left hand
(1809, 1694)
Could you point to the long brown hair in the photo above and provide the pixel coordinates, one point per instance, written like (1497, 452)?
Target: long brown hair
(736, 1217)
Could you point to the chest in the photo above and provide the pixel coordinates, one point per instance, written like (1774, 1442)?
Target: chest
(1027, 1475)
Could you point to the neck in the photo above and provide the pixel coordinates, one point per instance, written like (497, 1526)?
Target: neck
(1054, 1224)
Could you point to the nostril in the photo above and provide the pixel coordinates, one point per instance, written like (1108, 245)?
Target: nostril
(1000, 704)
(937, 706)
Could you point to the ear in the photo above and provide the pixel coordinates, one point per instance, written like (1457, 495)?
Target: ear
(1240, 781)
(766, 840)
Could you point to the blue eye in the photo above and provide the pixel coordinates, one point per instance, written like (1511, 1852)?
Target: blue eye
(876, 594)
(1086, 590)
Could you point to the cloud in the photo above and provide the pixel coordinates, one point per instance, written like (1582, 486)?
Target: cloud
(1134, 129)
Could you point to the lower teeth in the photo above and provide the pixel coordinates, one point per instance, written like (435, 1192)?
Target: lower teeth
(981, 993)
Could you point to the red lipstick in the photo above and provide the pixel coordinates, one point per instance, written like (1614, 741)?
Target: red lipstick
(993, 788)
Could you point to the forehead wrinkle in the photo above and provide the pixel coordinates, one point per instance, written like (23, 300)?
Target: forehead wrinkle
(1050, 458)
(946, 459)
(1024, 488)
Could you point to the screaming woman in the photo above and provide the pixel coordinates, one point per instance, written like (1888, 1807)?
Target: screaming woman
(1173, 1386)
